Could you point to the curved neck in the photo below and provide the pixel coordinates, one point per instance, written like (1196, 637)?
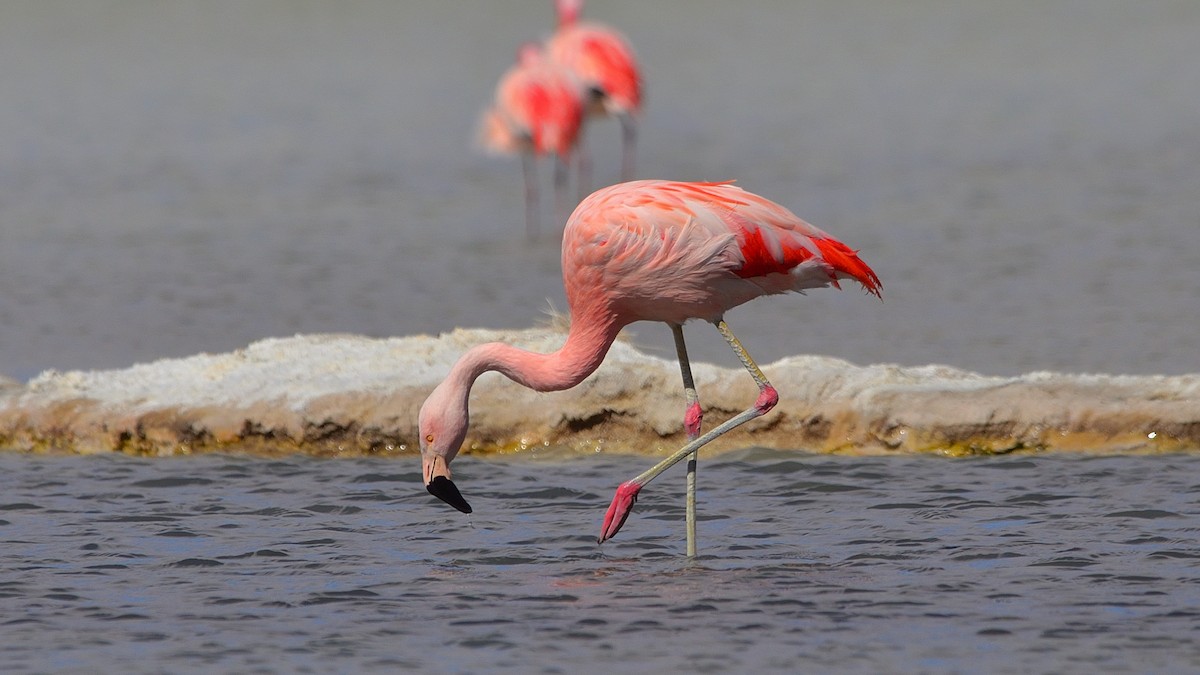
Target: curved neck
(583, 352)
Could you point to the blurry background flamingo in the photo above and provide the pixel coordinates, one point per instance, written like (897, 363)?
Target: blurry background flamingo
(537, 111)
(607, 71)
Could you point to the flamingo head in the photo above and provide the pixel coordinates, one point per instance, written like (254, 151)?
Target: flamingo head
(442, 425)
(568, 11)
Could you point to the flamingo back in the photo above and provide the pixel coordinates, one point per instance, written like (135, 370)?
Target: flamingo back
(671, 251)
(601, 60)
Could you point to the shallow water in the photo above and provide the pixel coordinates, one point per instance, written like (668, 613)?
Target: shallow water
(907, 564)
(193, 177)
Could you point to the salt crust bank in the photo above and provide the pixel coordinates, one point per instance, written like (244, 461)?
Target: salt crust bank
(334, 395)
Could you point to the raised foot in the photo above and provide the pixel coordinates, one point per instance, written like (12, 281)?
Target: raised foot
(619, 509)
(692, 420)
(767, 398)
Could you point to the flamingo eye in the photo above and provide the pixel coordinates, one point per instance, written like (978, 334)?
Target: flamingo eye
(429, 438)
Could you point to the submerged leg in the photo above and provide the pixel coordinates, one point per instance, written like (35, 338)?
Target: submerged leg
(691, 424)
(528, 165)
(627, 492)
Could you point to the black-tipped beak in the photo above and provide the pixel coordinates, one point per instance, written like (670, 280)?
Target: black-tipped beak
(444, 489)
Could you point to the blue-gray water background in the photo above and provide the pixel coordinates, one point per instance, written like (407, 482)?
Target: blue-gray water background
(186, 177)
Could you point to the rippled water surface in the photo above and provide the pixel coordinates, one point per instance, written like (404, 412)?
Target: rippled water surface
(818, 564)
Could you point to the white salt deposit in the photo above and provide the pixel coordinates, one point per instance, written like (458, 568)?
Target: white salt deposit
(349, 394)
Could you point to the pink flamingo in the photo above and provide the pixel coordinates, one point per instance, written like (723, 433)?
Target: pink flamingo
(649, 250)
(607, 71)
(537, 111)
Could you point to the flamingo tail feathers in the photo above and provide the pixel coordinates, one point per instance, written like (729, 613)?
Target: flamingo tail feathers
(844, 261)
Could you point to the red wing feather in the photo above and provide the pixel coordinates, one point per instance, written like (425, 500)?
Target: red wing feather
(761, 261)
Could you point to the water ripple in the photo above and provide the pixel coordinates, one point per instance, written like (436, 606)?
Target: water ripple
(884, 564)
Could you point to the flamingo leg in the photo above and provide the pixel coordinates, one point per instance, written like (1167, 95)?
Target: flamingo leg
(628, 141)
(560, 188)
(627, 492)
(691, 423)
(529, 167)
(584, 177)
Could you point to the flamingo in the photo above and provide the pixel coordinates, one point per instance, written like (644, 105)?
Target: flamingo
(649, 250)
(607, 71)
(537, 111)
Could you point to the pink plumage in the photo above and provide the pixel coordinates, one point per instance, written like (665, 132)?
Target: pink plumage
(606, 70)
(601, 59)
(536, 108)
(670, 251)
(649, 250)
